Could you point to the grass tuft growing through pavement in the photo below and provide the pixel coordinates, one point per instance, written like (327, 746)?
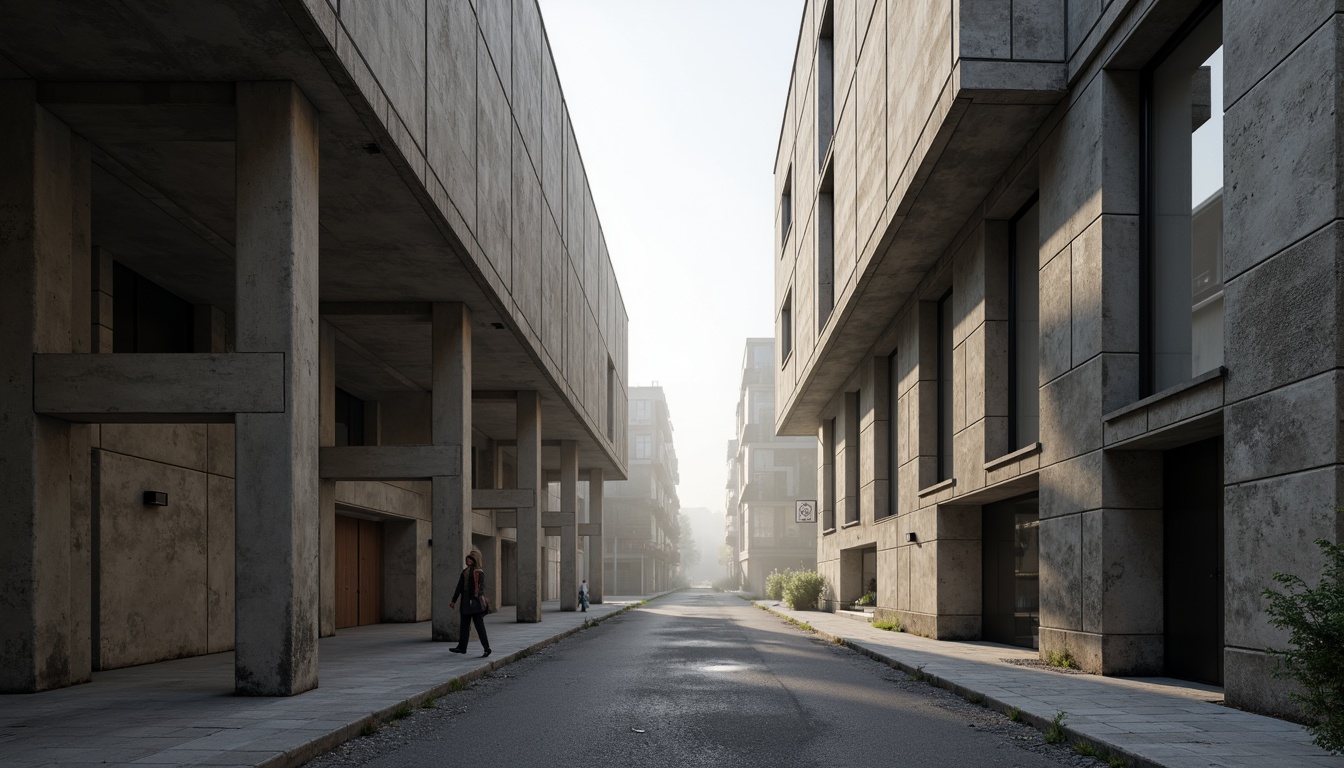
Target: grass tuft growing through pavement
(890, 625)
(1054, 733)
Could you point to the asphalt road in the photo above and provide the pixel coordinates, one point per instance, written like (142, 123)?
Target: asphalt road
(700, 679)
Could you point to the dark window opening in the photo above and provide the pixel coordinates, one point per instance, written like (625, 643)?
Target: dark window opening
(349, 419)
(945, 387)
(825, 252)
(825, 85)
(893, 442)
(786, 329)
(786, 208)
(1024, 415)
(148, 318)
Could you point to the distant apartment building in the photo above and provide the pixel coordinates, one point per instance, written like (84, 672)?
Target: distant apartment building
(767, 476)
(1062, 401)
(642, 512)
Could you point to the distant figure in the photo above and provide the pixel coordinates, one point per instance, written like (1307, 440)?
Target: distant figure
(583, 595)
(471, 587)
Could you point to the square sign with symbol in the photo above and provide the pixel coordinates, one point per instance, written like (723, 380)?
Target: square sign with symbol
(806, 511)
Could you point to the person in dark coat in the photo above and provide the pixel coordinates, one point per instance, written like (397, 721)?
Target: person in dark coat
(471, 588)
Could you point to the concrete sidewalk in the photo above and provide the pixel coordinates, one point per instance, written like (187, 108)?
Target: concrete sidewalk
(183, 712)
(1147, 721)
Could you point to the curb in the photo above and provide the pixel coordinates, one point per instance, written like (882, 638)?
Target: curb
(374, 720)
(1038, 722)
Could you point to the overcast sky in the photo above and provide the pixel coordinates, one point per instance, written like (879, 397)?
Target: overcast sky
(677, 106)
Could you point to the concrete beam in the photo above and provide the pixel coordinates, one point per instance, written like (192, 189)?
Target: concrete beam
(390, 462)
(277, 488)
(505, 519)
(502, 498)
(557, 519)
(410, 311)
(590, 530)
(171, 388)
(144, 111)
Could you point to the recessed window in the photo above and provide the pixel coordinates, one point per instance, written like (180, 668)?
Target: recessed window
(893, 443)
(825, 252)
(945, 387)
(349, 419)
(1183, 287)
(825, 84)
(643, 446)
(148, 318)
(1024, 415)
(611, 400)
(834, 448)
(853, 457)
(786, 209)
(786, 328)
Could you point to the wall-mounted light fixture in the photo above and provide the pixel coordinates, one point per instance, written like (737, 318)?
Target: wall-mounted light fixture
(911, 537)
(155, 499)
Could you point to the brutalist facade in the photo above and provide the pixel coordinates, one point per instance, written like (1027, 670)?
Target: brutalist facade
(1058, 292)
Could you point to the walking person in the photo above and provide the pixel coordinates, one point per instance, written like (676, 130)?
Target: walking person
(583, 595)
(471, 588)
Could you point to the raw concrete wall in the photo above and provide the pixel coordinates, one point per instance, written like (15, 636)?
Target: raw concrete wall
(473, 101)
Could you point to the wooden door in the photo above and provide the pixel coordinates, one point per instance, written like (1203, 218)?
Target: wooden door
(370, 572)
(347, 572)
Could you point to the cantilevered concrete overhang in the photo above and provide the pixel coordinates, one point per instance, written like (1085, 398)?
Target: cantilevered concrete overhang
(150, 85)
(986, 113)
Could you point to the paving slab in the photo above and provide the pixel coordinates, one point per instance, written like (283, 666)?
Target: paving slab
(184, 712)
(1150, 722)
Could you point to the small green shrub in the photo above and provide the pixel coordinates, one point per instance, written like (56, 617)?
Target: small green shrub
(803, 589)
(457, 685)
(868, 598)
(369, 729)
(1015, 715)
(774, 584)
(404, 710)
(918, 675)
(977, 698)
(1116, 761)
(890, 625)
(1054, 734)
(1314, 619)
(1063, 659)
(429, 703)
(1086, 749)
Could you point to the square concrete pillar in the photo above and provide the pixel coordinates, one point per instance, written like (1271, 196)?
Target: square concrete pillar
(451, 425)
(277, 515)
(327, 488)
(529, 518)
(44, 600)
(569, 532)
(597, 554)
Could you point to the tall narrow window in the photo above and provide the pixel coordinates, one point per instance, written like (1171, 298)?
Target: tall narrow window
(349, 419)
(1183, 110)
(825, 84)
(1024, 415)
(893, 435)
(853, 457)
(786, 328)
(830, 476)
(945, 387)
(786, 208)
(148, 318)
(825, 252)
(611, 400)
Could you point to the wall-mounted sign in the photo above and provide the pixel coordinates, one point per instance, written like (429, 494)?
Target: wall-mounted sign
(806, 511)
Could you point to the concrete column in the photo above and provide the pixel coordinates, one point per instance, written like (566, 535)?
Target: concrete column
(597, 549)
(529, 519)
(569, 533)
(37, 597)
(401, 564)
(277, 514)
(490, 563)
(451, 425)
(327, 488)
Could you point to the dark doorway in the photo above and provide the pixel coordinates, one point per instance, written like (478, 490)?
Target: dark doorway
(1010, 578)
(1192, 560)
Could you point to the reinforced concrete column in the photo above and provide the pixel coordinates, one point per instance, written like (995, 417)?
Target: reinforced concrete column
(277, 519)
(327, 488)
(450, 425)
(37, 598)
(529, 518)
(569, 532)
(597, 551)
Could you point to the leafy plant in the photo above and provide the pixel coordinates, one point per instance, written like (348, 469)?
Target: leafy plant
(1314, 619)
(457, 685)
(774, 584)
(890, 625)
(977, 699)
(918, 675)
(1015, 715)
(1054, 734)
(1116, 761)
(868, 598)
(1063, 659)
(1086, 749)
(403, 711)
(429, 703)
(803, 589)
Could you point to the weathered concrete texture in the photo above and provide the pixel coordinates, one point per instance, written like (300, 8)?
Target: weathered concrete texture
(597, 544)
(277, 518)
(451, 427)
(1290, 429)
(529, 575)
(36, 213)
(569, 532)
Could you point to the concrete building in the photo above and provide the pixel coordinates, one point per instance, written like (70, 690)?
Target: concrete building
(642, 512)
(1060, 400)
(301, 302)
(767, 476)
